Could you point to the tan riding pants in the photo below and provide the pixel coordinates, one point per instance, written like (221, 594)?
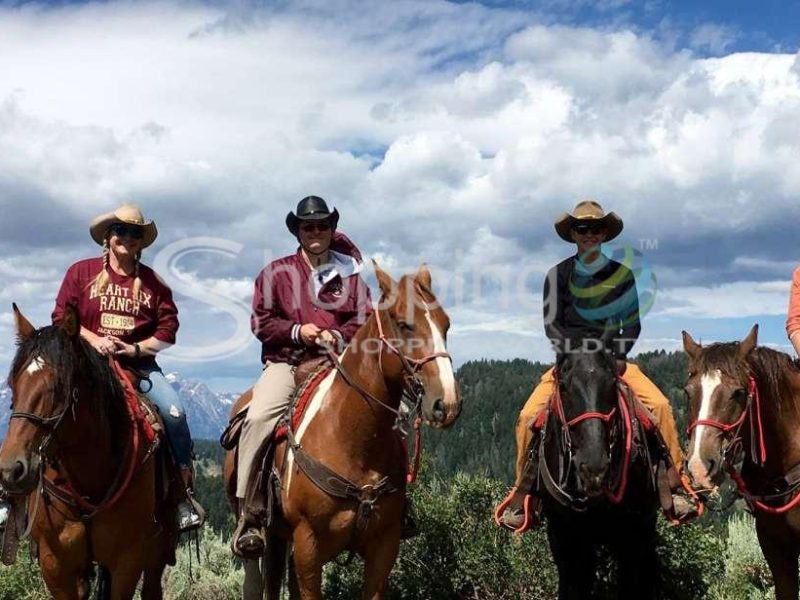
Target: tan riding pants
(645, 390)
(271, 397)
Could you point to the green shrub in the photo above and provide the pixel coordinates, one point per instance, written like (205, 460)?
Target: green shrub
(747, 576)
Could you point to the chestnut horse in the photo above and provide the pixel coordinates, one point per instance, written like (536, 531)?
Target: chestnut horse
(597, 486)
(70, 450)
(745, 408)
(349, 428)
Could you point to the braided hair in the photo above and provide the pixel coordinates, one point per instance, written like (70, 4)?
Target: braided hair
(102, 278)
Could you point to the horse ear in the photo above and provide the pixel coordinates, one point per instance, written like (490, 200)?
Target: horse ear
(385, 282)
(692, 348)
(748, 343)
(423, 277)
(70, 323)
(24, 327)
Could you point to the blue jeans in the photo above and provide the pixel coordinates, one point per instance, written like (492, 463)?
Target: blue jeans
(164, 396)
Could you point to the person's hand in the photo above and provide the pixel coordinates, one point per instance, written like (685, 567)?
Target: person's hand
(326, 339)
(123, 349)
(622, 365)
(309, 333)
(104, 345)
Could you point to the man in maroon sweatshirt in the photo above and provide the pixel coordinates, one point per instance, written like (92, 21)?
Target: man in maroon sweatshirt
(301, 303)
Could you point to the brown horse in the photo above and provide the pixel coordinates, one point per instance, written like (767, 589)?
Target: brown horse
(349, 428)
(745, 408)
(71, 450)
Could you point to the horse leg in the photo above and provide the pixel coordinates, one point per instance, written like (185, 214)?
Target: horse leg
(275, 566)
(65, 577)
(307, 563)
(125, 573)
(635, 551)
(781, 557)
(379, 556)
(574, 556)
(294, 587)
(151, 582)
(253, 586)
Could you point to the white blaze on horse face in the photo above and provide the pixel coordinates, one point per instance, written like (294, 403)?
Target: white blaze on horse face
(35, 365)
(708, 384)
(444, 365)
(313, 408)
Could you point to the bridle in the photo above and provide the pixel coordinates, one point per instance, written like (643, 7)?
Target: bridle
(558, 488)
(408, 415)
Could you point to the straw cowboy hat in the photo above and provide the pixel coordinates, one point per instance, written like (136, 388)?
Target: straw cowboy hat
(127, 214)
(311, 208)
(588, 211)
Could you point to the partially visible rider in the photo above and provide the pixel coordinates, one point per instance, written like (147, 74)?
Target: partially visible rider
(301, 303)
(127, 311)
(793, 316)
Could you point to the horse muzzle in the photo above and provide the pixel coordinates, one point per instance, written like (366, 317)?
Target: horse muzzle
(20, 474)
(592, 478)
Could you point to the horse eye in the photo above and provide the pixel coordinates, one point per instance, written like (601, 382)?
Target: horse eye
(405, 326)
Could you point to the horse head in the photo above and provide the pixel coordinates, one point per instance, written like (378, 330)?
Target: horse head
(587, 388)
(413, 328)
(39, 400)
(718, 389)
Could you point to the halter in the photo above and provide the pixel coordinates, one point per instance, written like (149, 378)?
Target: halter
(557, 488)
(730, 432)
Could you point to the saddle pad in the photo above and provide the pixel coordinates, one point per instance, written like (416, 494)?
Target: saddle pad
(301, 403)
(135, 408)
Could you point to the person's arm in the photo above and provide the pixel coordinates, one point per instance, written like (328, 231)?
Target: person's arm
(149, 347)
(793, 315)
(267, 320)
(630, 325)
(552, 307)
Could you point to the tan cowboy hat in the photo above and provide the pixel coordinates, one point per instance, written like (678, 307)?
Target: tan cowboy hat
(128, 214)
(588, 211)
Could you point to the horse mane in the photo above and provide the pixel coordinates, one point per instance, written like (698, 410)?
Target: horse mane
(74, 360)
(770, 369)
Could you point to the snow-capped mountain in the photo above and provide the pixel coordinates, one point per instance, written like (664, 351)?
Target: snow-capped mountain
(207, 411)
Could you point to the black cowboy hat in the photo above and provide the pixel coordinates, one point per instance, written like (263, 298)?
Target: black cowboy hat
(311, 208)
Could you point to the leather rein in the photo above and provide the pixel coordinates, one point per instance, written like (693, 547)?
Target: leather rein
(734, 452)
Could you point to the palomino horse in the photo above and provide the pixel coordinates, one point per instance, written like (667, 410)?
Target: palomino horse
(349, 432)
(745, 408)
(72, 451)
(597, 485)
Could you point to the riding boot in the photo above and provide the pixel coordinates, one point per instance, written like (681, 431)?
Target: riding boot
(514, 513)
(190, 514)
(247, 540)
(408, 524)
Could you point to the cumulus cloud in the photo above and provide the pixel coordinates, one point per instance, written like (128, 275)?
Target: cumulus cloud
(447, 133)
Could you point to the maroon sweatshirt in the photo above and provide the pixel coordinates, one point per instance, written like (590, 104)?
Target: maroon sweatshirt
(287, 295)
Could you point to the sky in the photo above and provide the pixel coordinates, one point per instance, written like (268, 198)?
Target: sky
(450, 133)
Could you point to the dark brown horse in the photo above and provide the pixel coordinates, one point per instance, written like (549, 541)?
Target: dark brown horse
(70, 450)
(595, 479)
(349, 428)
(745, 409)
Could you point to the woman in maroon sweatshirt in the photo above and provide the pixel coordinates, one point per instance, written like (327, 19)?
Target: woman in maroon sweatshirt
(301, 303)
(127, 311)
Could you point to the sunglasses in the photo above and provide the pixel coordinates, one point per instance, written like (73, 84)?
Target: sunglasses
(309, 227)
(122, 230)
(584, 228)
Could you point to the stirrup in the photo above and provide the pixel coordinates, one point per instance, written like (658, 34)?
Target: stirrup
(529, 519)
(247, 540)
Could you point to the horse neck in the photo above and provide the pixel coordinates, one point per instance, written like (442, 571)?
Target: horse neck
(86, 442)
(369, 424)
(780, 417)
